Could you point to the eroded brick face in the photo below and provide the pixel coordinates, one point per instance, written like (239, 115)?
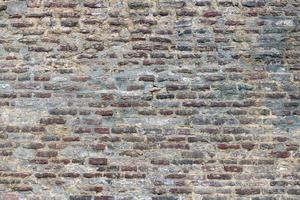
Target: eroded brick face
(149, 99)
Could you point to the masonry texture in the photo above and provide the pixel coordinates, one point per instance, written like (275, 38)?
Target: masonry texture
(149, 99)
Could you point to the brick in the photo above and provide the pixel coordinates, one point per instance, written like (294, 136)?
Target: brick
(102, 130)
(185, 12)
(211, 13)
(69, 22)
(104, 198)
(160, 162)
(22, 188)
(98, 161)
(39, 161)
(219, 176)
(194, 104)
(45, 175)
(138, 5)
(281, 154)
(174, 146)
(147, 78)
(233, 168)
(228, 146)
(34, 145)
(253, 3)
(119, 130)
(10, 196)
(53, 120)
(80, 197)
(180, 190)
(98, 146)
(47, 154)
(134, 176)
(247, 191)
(293, 191)
(165, 96)
(67, 111)
(248, 146)
(164, 198)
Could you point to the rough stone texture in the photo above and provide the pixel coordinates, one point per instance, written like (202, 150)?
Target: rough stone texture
(149, 99)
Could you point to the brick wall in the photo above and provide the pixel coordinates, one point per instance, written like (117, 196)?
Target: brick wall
(149, 99)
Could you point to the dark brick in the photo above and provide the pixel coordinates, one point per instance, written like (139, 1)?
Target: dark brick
(104, 198)
(98, 161)
(81, 197)
(293, 191)
(47, 154)
(45, 175)
(53, 120)
(211, 13)
(253, 3)
(247, 191)
(164, 198)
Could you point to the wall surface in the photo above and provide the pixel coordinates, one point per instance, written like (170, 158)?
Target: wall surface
(149, 99)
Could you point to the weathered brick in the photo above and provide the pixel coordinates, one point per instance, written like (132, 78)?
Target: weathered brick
(53, 120)
(102, 130)
(247, 191)
(34, 145)
(228, 146)
(293, 191)
(211, 13)
(22, 188)
(253, 3)
(138, 5)
(69, 22)
(67, 111)
(164, 198)
(281, 154)
(47, 154)
(45, 175)
(219, 176)
(98, 161)
(233, 168)
(119, 130)
(81, 197)
(104, 198)
(39, 161)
